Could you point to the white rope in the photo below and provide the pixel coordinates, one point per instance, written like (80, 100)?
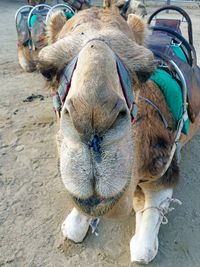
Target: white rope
(163, 210)
(93, 224)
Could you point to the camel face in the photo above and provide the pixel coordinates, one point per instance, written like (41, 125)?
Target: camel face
(95, 111)
(131, 7)
(137, 8)
(96, 150)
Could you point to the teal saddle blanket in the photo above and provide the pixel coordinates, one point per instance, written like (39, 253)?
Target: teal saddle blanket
(172, 90)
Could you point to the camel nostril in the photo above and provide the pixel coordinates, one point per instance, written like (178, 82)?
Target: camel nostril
(96, 146)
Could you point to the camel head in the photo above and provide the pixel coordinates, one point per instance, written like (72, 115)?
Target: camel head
(127, 7)
(137, 8)
(97, 149)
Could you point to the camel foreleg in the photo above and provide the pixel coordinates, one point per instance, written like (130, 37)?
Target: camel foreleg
(151, 208)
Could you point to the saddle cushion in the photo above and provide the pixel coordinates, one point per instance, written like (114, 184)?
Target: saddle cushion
(68, 14)
(33, 20)
(172, 90)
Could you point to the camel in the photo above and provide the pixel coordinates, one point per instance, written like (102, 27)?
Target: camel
(131, 7)
(113, 146)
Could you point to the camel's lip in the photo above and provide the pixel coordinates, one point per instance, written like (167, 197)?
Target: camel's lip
(95, 206)
(91, 202)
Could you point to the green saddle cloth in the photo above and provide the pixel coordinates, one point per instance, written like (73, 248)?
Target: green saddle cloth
(172, 90)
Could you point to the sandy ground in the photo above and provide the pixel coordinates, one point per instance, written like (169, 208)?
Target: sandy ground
(33, 200)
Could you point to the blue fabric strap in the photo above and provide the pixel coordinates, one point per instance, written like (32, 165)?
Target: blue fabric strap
(127, 88)
(59, 98)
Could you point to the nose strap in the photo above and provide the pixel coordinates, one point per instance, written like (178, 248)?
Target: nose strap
(65, 83)
(127, 87)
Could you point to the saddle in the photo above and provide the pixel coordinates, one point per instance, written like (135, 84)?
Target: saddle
(177, 56)
(31, 23)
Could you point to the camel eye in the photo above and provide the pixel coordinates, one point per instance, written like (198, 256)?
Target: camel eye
(122, 114)
(66, 112)
(47, 75)
(120, 117)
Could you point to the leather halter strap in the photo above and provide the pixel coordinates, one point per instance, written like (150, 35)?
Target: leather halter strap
(164, 120)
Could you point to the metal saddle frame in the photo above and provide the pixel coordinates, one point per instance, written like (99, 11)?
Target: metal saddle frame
(164, 33)
(24, 16)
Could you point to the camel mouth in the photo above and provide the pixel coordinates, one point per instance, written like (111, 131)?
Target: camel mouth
(92, 202)
(96, 206)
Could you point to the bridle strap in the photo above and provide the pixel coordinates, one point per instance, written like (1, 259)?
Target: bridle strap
(158, 110)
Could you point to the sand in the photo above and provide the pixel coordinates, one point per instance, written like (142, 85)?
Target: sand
(33, 201)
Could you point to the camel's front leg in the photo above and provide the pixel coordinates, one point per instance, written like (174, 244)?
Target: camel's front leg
(75, 226)
(144, 244)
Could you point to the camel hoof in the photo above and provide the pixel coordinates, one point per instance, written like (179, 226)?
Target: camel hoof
(141, 252)
(75, 226)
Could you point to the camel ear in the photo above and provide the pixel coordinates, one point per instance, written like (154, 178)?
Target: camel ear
(137, 26)
(54, 26)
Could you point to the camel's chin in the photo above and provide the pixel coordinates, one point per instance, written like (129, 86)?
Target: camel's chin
(96, 206)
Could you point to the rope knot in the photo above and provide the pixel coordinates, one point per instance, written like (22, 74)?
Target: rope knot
(164, 210)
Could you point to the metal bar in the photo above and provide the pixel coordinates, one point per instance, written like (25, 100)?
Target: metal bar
(168, 3)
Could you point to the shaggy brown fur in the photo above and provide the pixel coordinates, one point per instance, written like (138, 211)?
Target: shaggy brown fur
(154, 140)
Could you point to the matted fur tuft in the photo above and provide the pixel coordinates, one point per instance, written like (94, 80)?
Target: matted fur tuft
(56, 22)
